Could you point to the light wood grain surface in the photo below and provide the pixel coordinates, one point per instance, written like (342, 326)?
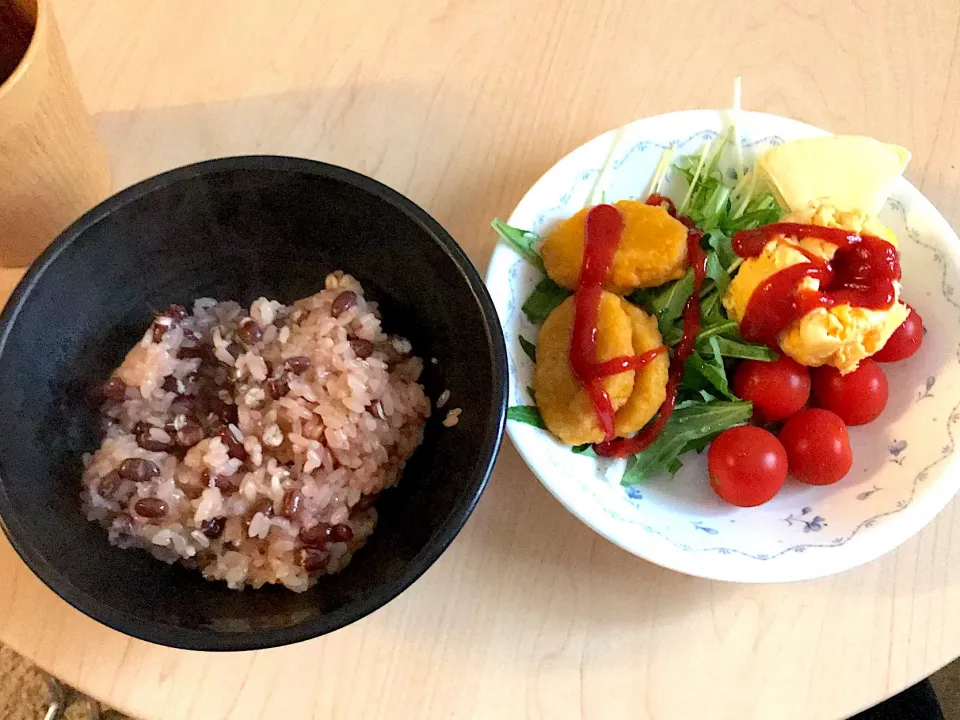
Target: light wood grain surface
(462, 104)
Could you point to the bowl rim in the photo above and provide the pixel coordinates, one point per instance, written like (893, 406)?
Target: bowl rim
(210, 640)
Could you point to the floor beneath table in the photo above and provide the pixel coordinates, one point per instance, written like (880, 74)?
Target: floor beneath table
(24, 694)
(946, 683)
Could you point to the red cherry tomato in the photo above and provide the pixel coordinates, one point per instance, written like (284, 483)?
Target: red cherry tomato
(818, 447)
(777, 389)
(857, 397)
(904, 342)
(748, 465)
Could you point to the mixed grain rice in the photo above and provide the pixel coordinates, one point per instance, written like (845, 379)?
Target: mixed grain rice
(251, 446)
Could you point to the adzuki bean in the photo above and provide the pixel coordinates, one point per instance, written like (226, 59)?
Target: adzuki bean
(109, 485)
(277, 387)
(249, 332)
(313, 559)
(147, 441)
(114, 389)
(138, 470)
(150, 507)
(189, 435)
(343, 302)
(191, 491)
(361, 348)
(291, 504)
(298, 364)
(213, 528)
(317, 536)
(341, 533)
(234, 446)
(177, 312)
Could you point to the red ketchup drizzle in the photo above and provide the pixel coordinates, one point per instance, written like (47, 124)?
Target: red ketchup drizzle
(622, 364)
(861, 274)
(602, 232)
(622, 447)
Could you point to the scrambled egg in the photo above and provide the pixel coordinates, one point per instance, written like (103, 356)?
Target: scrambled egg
(622, 330)
(840, 336)
(652, 250)
(857, 221)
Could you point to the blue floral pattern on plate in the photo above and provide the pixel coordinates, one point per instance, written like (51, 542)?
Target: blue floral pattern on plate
(675, 522)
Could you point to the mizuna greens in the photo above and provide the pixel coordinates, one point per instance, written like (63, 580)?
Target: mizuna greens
(720, 199)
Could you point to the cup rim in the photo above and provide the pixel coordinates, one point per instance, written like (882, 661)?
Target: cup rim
(24, 63)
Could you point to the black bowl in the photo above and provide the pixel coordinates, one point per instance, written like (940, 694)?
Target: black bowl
(237, 228)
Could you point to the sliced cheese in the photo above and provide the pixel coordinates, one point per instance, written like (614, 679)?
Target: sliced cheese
(850, 172)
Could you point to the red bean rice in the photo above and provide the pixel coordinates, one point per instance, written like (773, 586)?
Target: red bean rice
(231, 436)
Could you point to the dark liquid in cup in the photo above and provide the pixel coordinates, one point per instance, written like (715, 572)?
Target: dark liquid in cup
(16, 30)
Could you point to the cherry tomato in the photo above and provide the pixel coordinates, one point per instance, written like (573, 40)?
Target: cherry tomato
(858, 397)
(748, 465)
(904, 342)
(777, 389)
(818, 446)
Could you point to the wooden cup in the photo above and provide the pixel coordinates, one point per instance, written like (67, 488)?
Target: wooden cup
(52, 166)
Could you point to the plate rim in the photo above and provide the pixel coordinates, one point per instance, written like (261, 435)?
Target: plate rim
(753, 570)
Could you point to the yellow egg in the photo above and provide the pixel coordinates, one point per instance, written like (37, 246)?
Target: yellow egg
(775, 257)
(652, 251)
(818, 213)
(841, 336)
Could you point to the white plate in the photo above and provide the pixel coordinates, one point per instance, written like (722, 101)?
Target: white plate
(904, 469)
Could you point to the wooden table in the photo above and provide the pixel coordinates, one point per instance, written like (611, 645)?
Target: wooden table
(462, 105)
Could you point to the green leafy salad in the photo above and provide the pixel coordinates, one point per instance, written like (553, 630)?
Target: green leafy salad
(721, 198)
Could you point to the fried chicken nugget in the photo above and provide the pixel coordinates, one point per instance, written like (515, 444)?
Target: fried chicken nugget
(650, 383)
(653, 249)
(564, 404)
